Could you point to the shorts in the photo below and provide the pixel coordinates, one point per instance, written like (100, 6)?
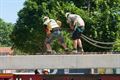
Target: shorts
(77, 33)
(55, 35)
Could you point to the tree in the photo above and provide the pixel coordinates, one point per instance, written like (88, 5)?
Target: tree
(28, 34)
(5, 31)
(100, 18)
(106, 20)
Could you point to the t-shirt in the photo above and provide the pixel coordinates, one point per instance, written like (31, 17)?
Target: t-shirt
(51, 23)
(72, 17)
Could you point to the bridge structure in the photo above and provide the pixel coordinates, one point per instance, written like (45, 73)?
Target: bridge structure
(60, 61)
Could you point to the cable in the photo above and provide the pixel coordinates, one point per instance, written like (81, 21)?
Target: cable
(107, 43)
(96, 44)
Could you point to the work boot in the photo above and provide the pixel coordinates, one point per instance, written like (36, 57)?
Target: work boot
(66, 50)
(49, 52)
(74, 50)
(80, 49)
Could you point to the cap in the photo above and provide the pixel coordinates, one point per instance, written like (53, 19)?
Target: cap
(45, 18)
(66, 15)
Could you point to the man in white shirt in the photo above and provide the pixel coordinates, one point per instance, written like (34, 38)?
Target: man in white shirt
(76, 24)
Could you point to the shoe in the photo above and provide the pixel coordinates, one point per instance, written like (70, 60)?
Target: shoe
(74, 50)
(66, 50)
(51, 52)
(80, 49)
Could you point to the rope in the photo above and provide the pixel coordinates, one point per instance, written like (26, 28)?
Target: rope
(107, 43)
(96, 44)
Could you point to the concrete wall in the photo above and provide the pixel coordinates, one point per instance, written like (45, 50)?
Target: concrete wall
(60, 61)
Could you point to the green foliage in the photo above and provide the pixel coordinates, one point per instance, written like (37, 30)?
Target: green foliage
(116, 46)
(101, 18)
(5, 31)
(104, 18)
(28, 34)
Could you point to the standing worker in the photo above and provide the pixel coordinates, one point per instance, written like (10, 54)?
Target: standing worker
(52, 31)
(76, 24)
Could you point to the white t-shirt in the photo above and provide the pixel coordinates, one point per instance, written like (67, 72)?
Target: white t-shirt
(73, 17)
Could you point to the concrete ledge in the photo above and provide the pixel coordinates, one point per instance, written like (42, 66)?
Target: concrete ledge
(60, 61)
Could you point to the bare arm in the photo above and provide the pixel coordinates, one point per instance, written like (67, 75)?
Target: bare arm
(47, 30)
(71, 26)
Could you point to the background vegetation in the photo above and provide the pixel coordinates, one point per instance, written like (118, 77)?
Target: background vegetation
(5, 31)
